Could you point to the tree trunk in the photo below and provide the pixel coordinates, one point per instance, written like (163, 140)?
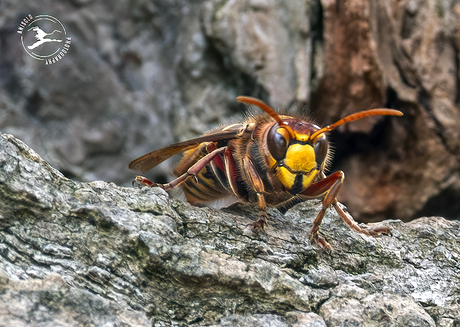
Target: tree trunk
(97, 254)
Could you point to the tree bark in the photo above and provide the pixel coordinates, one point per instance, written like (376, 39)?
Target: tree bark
(84, 254)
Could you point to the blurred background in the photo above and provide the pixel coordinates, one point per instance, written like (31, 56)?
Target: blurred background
(141, 74)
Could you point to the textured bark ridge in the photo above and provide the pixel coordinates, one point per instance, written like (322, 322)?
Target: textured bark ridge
(94, 253)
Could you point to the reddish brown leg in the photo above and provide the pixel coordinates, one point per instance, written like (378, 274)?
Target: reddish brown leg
(192, 171)
(373, 231)
(258, 185)
(331, 186)
(262, 217)
(142, 181)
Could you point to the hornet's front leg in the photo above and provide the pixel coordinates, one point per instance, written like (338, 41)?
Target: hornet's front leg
(330, 186)
(258, 186)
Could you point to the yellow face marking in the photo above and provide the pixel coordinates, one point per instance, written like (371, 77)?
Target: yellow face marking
(300, 158)
(309, 179)
(301, 137)
(288, 178)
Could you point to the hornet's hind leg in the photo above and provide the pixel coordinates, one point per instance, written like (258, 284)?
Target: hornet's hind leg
(192, 171)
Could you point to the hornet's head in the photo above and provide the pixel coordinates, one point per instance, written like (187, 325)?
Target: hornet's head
(294, 155)
(298, 150)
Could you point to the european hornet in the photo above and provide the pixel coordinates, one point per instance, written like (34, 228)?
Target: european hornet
(269, 159)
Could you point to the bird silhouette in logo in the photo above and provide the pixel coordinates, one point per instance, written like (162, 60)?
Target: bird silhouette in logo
(40, 36)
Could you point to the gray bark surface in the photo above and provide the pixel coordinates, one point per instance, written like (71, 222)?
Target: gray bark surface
(96, 254)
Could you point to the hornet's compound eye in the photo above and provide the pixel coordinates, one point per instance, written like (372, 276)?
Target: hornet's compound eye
(320, 145)
(278, 141)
